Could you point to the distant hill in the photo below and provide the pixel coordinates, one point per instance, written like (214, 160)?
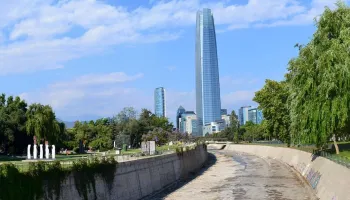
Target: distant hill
(68, 124)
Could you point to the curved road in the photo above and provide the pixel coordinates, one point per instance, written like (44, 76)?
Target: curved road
(233, 175)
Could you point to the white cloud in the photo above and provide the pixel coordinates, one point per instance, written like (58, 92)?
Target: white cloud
(307, 17)
(97, 79)
(105, 95)
(171, 68)
(238, 98)
(81, 93)
(42, 28)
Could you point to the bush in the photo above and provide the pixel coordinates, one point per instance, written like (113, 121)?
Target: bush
(187, 148)
(76, 149)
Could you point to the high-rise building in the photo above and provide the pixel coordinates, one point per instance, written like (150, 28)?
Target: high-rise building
(223, 111)
(180, 111)
(208, 103)
(243, 114)
(159, 102)
(186, 125)
(259, 116)
(255, 115)
(226, 119)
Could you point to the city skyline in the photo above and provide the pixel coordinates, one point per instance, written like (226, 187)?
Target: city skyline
(92, 67)
(208, 99)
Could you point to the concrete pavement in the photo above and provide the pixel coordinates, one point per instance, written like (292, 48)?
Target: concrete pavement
(240, 176)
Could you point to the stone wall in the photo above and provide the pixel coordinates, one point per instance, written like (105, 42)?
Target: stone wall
(329, 180)
(139, 178)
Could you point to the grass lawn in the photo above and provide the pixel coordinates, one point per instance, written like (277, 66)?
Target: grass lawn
(345, 154)
(9, 158)
(71, 157)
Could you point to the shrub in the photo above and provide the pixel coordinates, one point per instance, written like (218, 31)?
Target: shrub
(76, 149)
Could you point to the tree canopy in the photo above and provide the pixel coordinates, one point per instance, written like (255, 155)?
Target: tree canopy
(273, 101)
(319, 80)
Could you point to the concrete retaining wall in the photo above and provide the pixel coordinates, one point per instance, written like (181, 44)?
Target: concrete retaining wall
(330, 180)
(139, 178)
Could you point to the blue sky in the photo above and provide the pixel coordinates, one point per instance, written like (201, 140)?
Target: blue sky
(91, 58)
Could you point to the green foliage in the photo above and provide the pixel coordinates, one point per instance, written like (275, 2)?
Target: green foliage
(42, 123)
(252, 132)
(125, 147)
(273, 101)
(76, 149)
(158, 135)
(29, 185)
(187, 148)
(234, 121)
(319, 81)
(179, 151)
(13, 137)
(85, 172)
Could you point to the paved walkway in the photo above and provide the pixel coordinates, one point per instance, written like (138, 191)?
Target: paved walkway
(240, 177)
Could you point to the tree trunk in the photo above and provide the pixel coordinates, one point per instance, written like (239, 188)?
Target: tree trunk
(335, 144)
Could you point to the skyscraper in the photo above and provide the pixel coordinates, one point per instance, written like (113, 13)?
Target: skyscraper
(208, 103)
(243, 114)
(159, 102)
(255, 115)
(180, 111)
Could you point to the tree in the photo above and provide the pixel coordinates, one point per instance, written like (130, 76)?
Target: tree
(158, 135)
(273, 101)
(234, 120)
(13, 135)
(42, 123)
(319, 81)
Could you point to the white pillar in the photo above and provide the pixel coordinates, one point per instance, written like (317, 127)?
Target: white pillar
(28, 152)
(35, 152)
(53, 154)
(41, 151)
(47, 153)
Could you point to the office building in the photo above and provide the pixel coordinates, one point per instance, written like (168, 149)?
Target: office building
(213, 127)
(208, 103)
(186, 122)
(255, 115)
(180, 111)
(159, 102)
(226, 119)
(243, 114)
(223, 111)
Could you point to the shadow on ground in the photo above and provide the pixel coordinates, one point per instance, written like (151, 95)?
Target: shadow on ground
(175, 186)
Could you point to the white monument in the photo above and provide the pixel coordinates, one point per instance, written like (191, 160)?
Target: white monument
(28, 152)
(41, 152)
(53, 154)
(152, 147)
(35, 152)
(47, 153)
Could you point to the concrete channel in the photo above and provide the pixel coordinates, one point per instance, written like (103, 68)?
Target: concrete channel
(238, 176)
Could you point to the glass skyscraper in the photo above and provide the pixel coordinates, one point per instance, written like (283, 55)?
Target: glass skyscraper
(180, 111)
(208, 103)
(255, 115)
(159, 102)
(243, 114)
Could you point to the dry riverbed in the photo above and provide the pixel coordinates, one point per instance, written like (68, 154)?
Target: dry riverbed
(237, 176)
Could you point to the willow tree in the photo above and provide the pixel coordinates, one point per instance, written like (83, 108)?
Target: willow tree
(42, 123)
(319, 80)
